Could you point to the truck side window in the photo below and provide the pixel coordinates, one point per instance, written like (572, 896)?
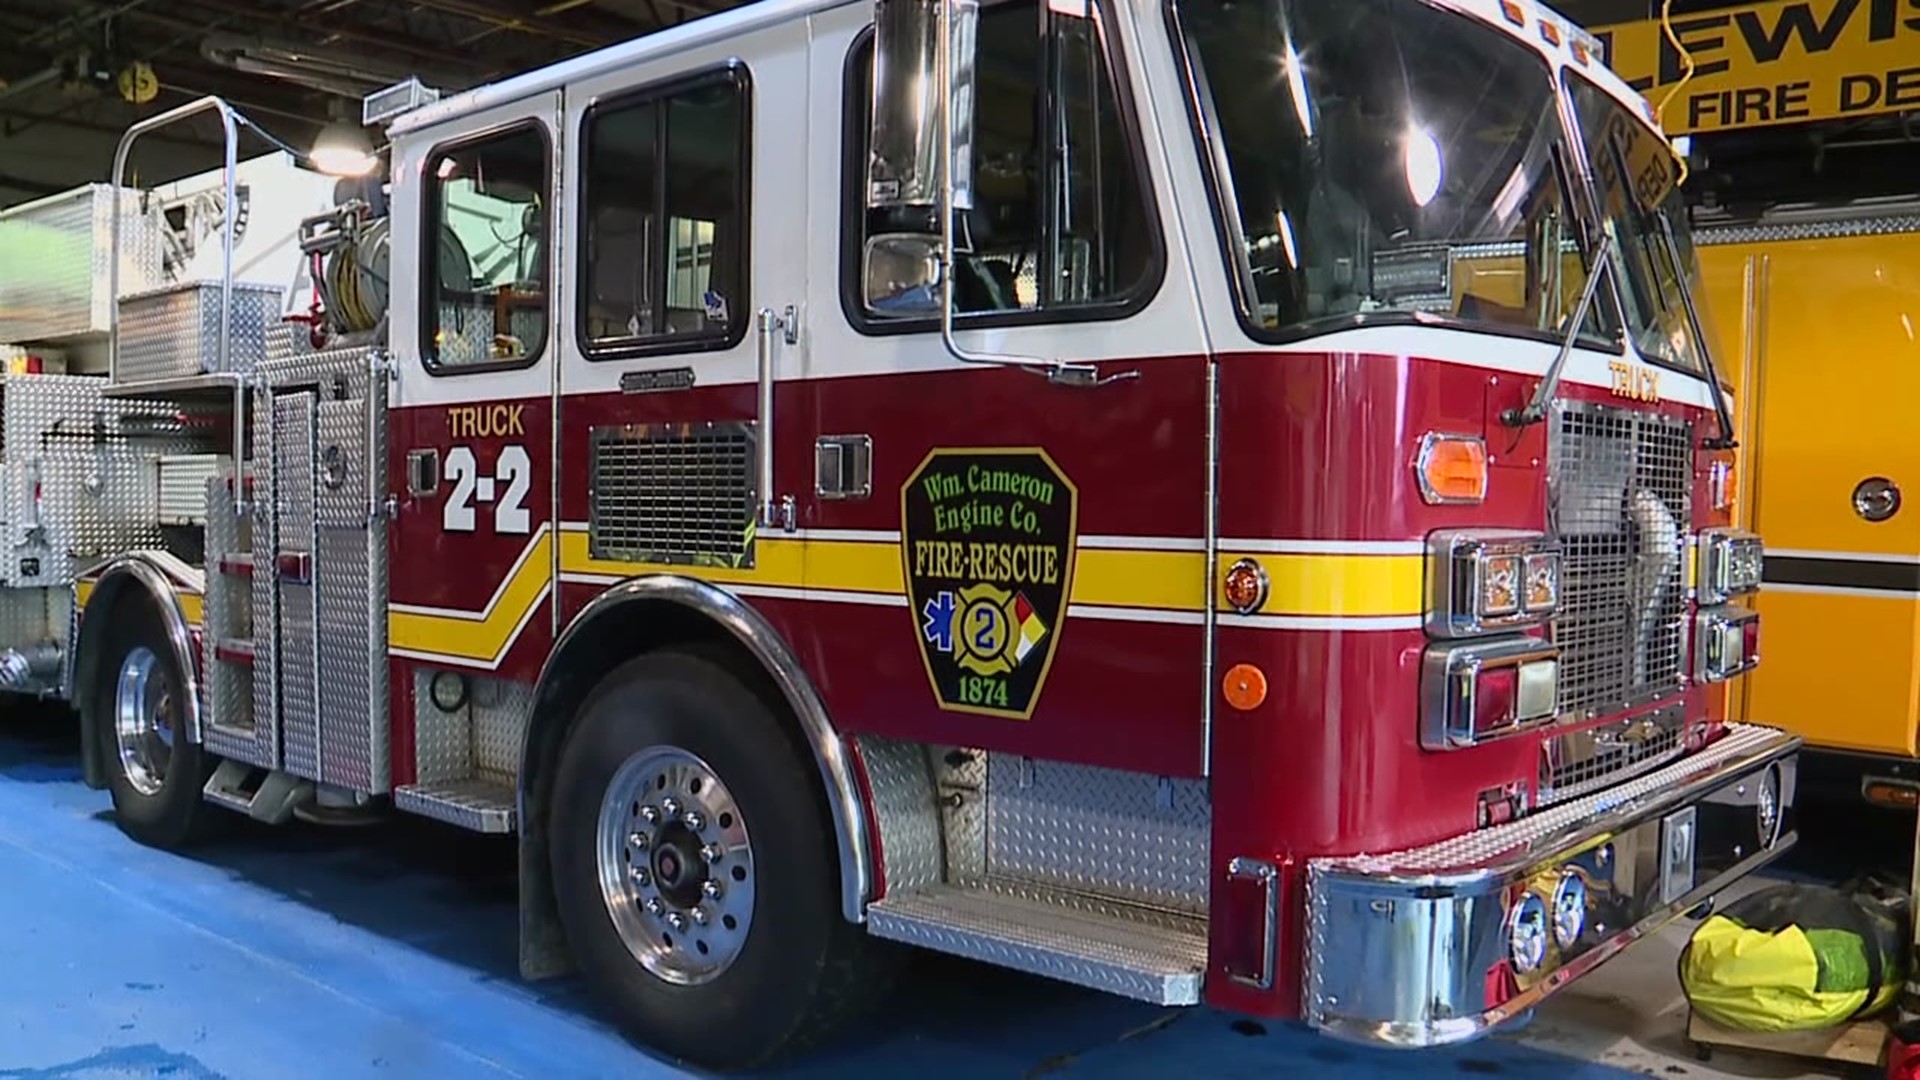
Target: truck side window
(489, 222)
(1061, 216)
(663, 213)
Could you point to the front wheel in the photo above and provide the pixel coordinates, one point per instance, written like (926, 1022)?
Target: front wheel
(695, 868)
(155, 773)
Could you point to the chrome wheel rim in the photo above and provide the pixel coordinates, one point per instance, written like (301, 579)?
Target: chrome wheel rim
(676, 865)
(143, 721)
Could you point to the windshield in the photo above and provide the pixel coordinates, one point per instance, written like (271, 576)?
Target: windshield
(1384, 157)
(1635, 178)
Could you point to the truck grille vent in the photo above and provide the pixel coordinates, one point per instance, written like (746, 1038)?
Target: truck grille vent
(1620, 485)
(673, 493)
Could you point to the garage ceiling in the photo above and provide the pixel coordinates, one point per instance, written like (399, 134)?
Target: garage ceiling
(286, 63)
(290, 64)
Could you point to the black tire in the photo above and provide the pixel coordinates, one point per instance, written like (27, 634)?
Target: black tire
(171, 814)
(802, 969)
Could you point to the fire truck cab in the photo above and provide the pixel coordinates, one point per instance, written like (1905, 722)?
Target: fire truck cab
(1216, 501)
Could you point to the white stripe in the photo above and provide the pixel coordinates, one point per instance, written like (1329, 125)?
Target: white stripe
(1323, 622)
(1327, 547)
(1839, 590)
(1110, 542)
(498, 593)
(851, 536)
(773, 592)
(1844, 556)
(1497, 352)
(1142, 615)
(831, 596)
(450, 661)
(1141, 543)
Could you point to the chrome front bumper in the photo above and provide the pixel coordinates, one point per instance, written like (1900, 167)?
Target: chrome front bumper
(1413, 948)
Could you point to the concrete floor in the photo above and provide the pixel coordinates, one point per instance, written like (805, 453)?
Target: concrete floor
(309, 952)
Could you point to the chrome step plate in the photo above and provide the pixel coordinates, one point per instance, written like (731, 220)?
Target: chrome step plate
(1148, 961)
(479, 805)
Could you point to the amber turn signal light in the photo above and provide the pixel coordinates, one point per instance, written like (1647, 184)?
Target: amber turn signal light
(1452, 469)
(1245, 687)
(1246, 586)
(1895, 794)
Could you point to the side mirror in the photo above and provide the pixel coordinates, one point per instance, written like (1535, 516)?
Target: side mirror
(919, 117)
(902, 275)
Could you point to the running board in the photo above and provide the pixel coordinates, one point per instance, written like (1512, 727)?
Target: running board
(483, 806)
(1151, 957)
(261, 794)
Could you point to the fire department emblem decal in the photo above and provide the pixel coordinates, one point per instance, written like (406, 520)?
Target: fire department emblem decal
(988, 540)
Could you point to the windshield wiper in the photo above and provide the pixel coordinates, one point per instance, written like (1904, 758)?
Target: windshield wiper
(1597, 259)
(1662, 227)
(1723, 414)
(1536, 408)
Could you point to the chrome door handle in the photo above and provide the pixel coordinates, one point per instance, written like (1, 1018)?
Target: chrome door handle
(1876, 498)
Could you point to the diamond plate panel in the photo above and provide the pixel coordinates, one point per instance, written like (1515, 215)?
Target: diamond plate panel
(266, 594)
(341, 373)
(293, 421)
(1131, 836)
(33, 616)
(903, 807)
(442, 741)
(500, 710)
(961, 780)
(228, 728)
(55, 254)
(175, 331)
(353, 714)
(1146, 963)
(78, 480)
(479, 805)
(1827, 229)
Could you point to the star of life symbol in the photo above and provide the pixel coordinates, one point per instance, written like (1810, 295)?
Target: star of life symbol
(937, 620)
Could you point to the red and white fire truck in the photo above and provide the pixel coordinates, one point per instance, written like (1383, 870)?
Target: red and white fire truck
(1215, 500)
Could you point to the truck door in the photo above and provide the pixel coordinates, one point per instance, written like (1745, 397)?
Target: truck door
(474, 343)
(688, 215)
(1000, 561)
(1821, 317)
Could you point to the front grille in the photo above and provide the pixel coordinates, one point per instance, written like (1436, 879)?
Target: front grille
(673, 493)
(1619, 484)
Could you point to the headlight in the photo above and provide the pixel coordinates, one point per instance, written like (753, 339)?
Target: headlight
(1726, 643)
(1731, 562)
(1527, 934)
(1481, 580)
(1569, 910)
(1767, 809)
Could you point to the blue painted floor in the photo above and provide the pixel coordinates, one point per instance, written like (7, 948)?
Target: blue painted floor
(308, 952)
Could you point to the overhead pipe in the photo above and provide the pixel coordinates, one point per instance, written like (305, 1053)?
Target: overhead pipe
(340, 72)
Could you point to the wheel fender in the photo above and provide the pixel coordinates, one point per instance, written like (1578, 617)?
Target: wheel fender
(135, 577)
(673, 610)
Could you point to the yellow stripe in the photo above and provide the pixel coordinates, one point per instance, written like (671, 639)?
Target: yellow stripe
(1308, 585)
(1354, 585)
(193, 606)
(483, 638)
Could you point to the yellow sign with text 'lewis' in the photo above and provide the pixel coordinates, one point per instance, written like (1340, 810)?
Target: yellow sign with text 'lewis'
(1784, 62)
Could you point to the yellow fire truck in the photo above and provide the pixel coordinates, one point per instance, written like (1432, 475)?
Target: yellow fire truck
(1799, 119)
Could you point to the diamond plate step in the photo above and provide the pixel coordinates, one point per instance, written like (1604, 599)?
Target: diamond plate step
(480, 805)
(261, 794)
(1044, 936)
